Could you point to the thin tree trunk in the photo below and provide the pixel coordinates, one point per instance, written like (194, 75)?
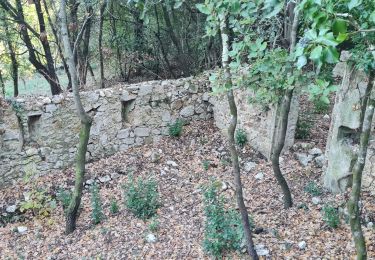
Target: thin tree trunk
(2, 85)
(102, 9)
(13, 59)
(232, 147)
(353, 207)
(281, 124)
(86, 121)
(116, 41)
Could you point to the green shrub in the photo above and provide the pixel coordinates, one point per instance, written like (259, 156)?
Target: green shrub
(114, 208)
(313, 189)
(331, 216)
(303, 129)
(241, 137)
(223, 229)
(64, 197)
(39, 202)
(206, 165)
(96, 206)
(175, 129)
(142, 198)
(154, 224)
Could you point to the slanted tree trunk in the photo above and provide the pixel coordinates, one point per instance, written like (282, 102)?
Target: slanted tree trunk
(231, 130)
(353, 207)
(86, 121)
(2, 85)
(102, 9)
(281, 124)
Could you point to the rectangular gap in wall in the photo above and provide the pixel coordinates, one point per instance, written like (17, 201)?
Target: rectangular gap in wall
(126, 107)
(33, 125)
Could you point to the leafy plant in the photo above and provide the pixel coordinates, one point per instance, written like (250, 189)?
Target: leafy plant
(321, 107)
(223, 229)
(39, 202)
(175, 129)
(206, 165)
(64, 197)
(331, 216)
(142, 197)
(96, 206)
(303, 128)
(114, 208)
(241, 137)
(313, 189)
(154, 224)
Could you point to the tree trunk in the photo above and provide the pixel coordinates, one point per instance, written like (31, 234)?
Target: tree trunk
(231, 131)
(86, 121)
(54, 81)
(13, 59)
(58, 43)
(2, 85)
(102, 9)
(281, 123)
(84, 58)
(353, 207)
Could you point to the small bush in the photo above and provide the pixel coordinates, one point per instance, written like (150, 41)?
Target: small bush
(175, 129)
(154, 224)
(206, 165)
(114, 208)
(313, 189)
(96, 205)
(303, 129)
(64, 197)
(241, 137)
(142, 198)
(223, 229)
(331, 216)
(39, 202)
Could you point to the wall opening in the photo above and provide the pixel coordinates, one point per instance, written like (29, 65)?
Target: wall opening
(126, 107)
(34, 124)
(348, 135)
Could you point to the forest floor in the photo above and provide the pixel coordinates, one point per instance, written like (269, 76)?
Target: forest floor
(181, 216)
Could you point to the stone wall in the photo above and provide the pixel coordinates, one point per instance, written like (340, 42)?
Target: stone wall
(41, 134)
(343, 139)
(257, 122)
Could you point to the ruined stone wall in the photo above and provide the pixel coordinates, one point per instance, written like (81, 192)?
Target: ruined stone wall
(343, 138)
(257, 122)
(41, 134)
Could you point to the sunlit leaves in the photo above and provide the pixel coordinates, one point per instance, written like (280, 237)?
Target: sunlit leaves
(354, 3)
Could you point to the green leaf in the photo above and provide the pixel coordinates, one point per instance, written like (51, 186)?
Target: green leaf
(203, 9)
(342, 37)
(178, 4)
(354, 3)
(339, 26)
(372, 17)
(302, 61)
(316, 53)
(235, 7)
(331, 55)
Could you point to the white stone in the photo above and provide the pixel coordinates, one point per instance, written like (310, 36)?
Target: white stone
(151, 238)
(326, 117)
(22, 229)
(46, 100)
(105, 178)
(172, 163)
(320, 160)
(259, 176)
(303, 158)
(315, 200)
(315, 151)
(142, 131)
(261, 250)
(302, 245)
(249, 166)
(11, 209)
(370, 225)
(205, 96)
(187, 111)
(90, 182)
(50, 108)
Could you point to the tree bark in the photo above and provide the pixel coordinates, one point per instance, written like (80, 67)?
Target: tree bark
(102, 9)
(86, 121)
(281, 123)
(231, 141)
(2, 85)
(353, 203)
(12, 54)
(84, 58)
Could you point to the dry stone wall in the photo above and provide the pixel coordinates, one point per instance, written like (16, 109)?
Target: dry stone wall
(41, 134)
(343, 138)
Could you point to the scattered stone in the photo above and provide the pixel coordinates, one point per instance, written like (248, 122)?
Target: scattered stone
(172, 163)
(90, 182)
(315, 200)
(259, 176)
(315, 151)
(11, 209)
(262, 250)
(370, 225)
(326, 117)
(320, 160)
(162, 172)
(249, 166)
(224, 186)
(115, 175)
(187, 111)
(105, 178)
(155, 157)
(151, 238)
(302, 245)
(22, 229)
(142, 131)
(303, 158)
(306, 145)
